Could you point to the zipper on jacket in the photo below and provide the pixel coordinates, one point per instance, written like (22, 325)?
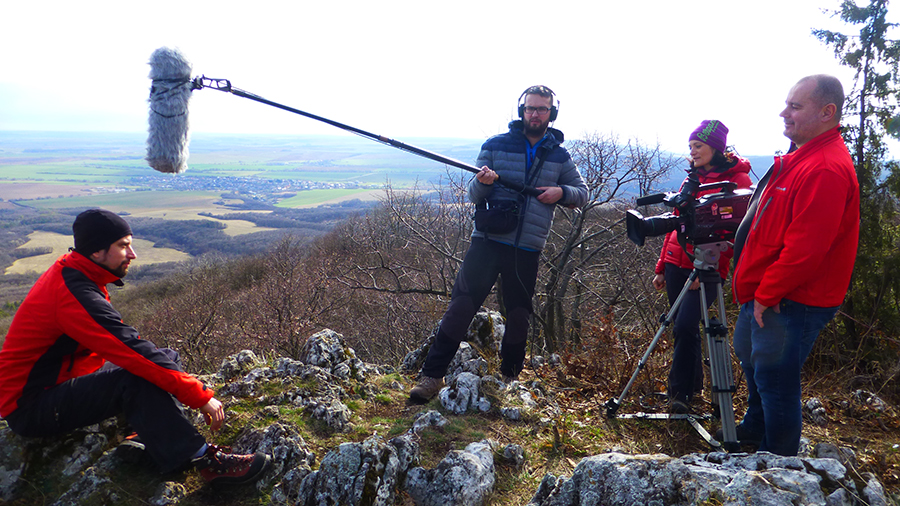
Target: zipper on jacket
(759, 215)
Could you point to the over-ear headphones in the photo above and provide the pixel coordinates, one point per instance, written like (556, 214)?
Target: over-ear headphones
(542, 91)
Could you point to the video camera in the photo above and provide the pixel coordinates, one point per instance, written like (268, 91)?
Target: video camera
(699, 220)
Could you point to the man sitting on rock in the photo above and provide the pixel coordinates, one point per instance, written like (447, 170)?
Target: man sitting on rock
(69, 361)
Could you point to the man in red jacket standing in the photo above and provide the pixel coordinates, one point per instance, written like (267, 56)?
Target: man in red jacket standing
(69, 361)
(794, 255)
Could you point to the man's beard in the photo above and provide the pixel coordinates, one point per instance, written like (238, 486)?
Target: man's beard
(536, 131)
(121, 270)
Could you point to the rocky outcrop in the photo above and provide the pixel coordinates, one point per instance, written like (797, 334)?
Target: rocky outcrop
(716, 478)
(368, 473)
(470, 388)
(12, 461)
(485, 333)
(88, 467)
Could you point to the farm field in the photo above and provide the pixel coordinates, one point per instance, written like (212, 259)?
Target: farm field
(171, 205)
(314, 198)
(104, 158)
(19, 190)
(146, 253)
(228, 176)
(55, 170)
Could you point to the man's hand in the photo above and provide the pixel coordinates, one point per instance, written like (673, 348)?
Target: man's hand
(759, 309)
(551, 194)
(214, 414)
(486, 176)
(659, 281)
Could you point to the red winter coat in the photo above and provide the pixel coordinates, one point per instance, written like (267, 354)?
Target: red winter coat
(671, 251)
(67, 328)
(802, 243)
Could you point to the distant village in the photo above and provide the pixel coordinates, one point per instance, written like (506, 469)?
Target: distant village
(256, 187)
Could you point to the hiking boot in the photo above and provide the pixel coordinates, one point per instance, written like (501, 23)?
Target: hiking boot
(425, 389)
(744, 436)
(678, 407)
(131, 449)
(218, 466)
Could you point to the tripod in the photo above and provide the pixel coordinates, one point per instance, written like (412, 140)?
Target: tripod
(706, 263)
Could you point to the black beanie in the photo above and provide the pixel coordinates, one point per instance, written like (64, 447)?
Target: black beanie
(96, 229)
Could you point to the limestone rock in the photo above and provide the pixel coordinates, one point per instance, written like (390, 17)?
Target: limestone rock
(12, 461)
(514, 456)
(168, 493)
(85, 453)
(286, 447)
(466, 360)
(237, 364)
(485, 332)
(463, 394)
(94, 485)
(816, 411)
(730, 479)
(367, 473)
(431, 418)
(326, 349)
(846, 456)
(873, 492)
(463, 477)
(291, 490)
(870, 400)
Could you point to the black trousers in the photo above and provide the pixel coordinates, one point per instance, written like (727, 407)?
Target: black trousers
(170, 438)
(686, 376)
(484, 261)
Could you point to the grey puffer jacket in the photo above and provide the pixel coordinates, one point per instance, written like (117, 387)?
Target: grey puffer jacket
(506, 154)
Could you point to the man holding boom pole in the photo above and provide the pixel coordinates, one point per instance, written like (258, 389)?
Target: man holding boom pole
(69, 361)
(510, 231)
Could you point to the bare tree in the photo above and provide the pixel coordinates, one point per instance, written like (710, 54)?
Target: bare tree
(190, 320)
(587, 256)
(412, 244)
(287, 305)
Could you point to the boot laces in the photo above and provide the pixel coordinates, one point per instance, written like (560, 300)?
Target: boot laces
(221, 458)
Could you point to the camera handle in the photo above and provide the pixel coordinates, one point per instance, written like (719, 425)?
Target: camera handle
(727, 186)
(706, 262)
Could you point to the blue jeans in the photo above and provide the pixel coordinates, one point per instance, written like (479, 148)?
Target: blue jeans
(771, 358)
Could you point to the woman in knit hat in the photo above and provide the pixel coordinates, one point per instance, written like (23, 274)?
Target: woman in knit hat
(713, 163)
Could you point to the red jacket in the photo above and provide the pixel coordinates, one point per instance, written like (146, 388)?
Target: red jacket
(802, 243)
(672, 253)
(67, 328)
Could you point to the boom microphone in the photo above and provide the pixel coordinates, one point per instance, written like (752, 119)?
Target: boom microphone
(167, 144)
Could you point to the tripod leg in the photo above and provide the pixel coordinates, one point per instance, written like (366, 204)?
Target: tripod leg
(613, 404)
(720, 365)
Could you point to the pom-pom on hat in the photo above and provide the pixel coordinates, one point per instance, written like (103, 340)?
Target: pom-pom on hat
(96, 229)
(711, 132)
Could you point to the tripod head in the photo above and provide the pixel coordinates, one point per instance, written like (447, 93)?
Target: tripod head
(706, 256)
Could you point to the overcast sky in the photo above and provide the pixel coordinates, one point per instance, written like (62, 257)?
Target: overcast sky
(410, 69)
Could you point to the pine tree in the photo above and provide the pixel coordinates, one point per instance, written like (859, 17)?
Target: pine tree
(871, 310)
